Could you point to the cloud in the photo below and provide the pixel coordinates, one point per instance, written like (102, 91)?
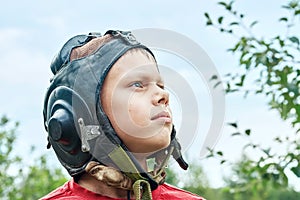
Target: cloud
(10, 37)
(20, 63)
(53, 23)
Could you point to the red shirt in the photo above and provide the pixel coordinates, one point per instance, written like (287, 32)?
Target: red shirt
(72, 190)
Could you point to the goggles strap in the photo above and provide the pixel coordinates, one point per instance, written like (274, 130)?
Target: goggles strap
(125, 164)
(142, 190)
(158, 173)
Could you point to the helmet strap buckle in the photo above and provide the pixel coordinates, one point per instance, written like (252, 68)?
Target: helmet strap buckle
(88, 132)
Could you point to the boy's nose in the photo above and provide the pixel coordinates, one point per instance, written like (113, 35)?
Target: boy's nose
(160, 97)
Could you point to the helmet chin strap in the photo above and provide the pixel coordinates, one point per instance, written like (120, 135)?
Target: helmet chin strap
(126, 179)
(162, 159)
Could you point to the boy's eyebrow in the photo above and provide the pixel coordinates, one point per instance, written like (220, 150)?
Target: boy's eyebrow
(143, 76)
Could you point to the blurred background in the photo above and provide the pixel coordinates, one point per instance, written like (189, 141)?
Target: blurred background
(253, 44)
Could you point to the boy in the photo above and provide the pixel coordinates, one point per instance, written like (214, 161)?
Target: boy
(108, 118)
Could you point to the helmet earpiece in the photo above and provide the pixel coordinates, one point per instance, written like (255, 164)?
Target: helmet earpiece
(60, 125)
(64, 109)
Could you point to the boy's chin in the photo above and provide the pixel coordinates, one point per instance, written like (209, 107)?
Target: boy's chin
(149, 149)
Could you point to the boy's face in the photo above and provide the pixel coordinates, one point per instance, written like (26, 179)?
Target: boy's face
(134, 99)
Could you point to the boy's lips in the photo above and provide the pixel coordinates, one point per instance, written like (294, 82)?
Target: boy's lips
(164, 115)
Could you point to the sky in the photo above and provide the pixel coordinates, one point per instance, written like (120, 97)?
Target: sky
(32, 32)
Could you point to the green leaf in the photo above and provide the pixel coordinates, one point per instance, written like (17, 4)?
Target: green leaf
(297, 12)
(277, 139)
(267, 151)
(233, 125)
(296, 170)
(220, 19)
(283, 19)
(293, 4)
(207, 15)
(213, 77)
(286, 7)
(222, 162)
(235, 134)
(248, 132)
(217, 84)
(281, 42)
(227, 6)
(294, 40)
(234, 23)
(4, 120)
(222, 3)
(253, 24)
(209, 22)
(241, 83)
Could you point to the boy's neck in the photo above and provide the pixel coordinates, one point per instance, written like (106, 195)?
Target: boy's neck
(142, 160)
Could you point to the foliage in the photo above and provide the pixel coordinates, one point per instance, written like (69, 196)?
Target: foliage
(239, 185)
(251, 183)
(42, 178)
(7, 160)
(273, 61)
(194, 180)
(18, 180)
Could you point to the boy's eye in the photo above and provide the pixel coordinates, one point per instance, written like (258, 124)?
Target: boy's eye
(137, 84)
